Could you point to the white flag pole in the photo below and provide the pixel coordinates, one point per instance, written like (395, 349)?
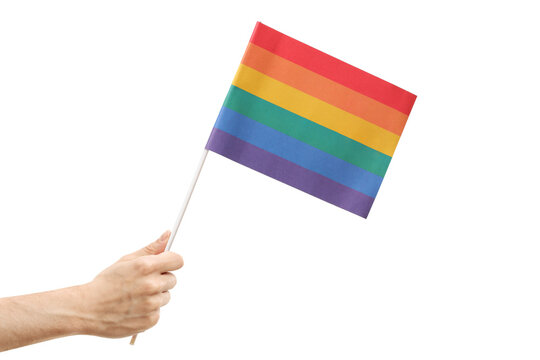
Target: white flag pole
(182, 211)
(186, 200)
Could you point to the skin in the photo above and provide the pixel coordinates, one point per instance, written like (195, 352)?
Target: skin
(122, 300)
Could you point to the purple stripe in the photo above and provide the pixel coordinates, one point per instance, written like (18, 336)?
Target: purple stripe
(289, 173)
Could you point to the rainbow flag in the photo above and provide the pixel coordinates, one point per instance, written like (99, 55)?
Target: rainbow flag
(311, 121)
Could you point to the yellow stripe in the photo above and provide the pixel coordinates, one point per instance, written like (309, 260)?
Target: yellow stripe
(315, 110)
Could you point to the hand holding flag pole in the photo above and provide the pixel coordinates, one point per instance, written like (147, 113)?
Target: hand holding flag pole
(182, 211)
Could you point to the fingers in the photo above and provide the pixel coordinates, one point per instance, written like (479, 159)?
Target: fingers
(144, 322)
(153, 303)
(164, 298)
(154, 248)
(159, 300)
(168, 261)
(156, 284)
(167, 282)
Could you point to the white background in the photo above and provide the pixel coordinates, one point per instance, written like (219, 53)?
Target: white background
(105, 107)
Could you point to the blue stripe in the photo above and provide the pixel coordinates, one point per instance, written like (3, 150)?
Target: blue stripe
(298, 152)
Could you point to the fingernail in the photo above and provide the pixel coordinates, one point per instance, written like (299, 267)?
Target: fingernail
(163, 237)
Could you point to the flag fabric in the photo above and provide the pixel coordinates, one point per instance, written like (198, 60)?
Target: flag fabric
(311, 121)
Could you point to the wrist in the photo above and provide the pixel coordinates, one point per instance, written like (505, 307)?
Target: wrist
(82, 321)
(71, 310)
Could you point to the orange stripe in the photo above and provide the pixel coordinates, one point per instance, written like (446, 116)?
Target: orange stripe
(324, 89)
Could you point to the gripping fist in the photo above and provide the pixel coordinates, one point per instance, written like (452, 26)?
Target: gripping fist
(125, 298)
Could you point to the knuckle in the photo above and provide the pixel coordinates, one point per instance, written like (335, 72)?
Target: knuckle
(146, 306)
(149, 287)
(143, 265)
(150, 304)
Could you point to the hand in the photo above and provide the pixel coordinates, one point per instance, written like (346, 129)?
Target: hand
(126, 298)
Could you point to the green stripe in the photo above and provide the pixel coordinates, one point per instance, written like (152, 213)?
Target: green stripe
(306, 131)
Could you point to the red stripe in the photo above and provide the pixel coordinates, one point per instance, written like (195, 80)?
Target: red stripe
(332, 68)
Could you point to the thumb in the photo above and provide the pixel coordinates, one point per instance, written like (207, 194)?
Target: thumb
(154, 248)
